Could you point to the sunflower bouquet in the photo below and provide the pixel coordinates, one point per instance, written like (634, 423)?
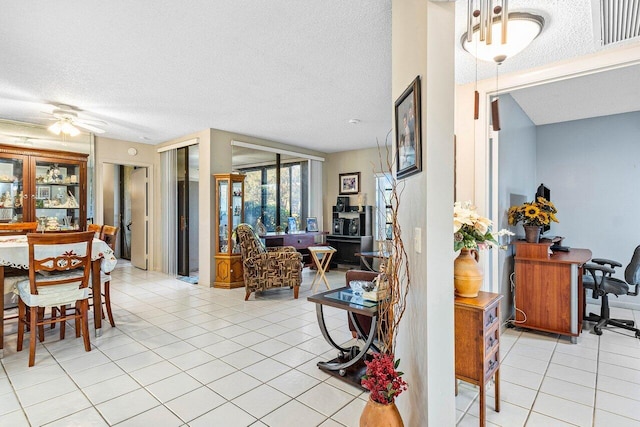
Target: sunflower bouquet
(539, 212)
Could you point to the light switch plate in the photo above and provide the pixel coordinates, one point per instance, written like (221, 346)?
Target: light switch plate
(417, 239)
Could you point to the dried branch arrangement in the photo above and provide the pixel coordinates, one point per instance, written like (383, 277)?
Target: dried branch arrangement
(396, 271)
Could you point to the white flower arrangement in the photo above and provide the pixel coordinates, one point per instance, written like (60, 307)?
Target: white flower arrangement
(473, 231)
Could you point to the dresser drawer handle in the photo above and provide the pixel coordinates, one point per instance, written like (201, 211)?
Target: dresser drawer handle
(492, 364)
(492, 342)
(491, 320)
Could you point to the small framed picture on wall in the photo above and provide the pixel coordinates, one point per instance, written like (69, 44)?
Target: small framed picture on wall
(349, 183)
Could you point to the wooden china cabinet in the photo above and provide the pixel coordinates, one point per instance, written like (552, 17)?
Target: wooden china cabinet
(46, 186)
(229, 211)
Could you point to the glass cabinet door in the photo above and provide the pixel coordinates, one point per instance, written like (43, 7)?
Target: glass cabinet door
(237, 207)
(223, 225)
(58, 195)
(12, 191)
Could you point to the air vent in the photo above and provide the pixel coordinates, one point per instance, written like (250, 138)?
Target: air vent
(616, 20)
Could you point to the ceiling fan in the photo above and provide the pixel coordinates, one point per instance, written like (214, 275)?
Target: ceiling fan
(67, 121)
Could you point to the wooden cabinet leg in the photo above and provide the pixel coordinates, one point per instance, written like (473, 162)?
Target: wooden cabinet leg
(496, 378)
(483, 409)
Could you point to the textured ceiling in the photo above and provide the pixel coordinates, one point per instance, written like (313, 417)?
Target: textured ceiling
(289, 71)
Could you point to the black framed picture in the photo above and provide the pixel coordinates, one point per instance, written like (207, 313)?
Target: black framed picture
(408, 132)
(312, 223)
(349, 183)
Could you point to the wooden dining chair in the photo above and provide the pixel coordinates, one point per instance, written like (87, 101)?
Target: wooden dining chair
(109, 235)
(12, 274)
(17, 228)
(96, 228)
(59, 267)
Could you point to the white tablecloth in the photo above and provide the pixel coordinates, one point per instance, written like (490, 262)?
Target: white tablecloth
(14, 252)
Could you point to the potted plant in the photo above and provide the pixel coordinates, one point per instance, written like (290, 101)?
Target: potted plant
(385, 383)
(533, 216)
(470, 233)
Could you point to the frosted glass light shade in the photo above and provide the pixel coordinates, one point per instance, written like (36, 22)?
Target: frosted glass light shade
(65, 127)
(522, 29)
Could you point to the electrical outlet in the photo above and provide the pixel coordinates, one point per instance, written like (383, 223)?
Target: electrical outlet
(417, 239)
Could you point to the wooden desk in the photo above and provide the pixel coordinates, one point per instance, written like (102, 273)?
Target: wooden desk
(549, 288)
(477, 329)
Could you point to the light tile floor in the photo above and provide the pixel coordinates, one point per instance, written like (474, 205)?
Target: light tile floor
(187, 355)
(547, 381)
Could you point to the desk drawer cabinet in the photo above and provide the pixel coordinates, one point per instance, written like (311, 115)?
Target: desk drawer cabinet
(477, 335)
(549, 294)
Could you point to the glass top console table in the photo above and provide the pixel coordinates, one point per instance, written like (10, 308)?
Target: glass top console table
(349, 364)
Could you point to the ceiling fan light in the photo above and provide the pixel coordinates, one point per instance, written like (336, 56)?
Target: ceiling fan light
(69, 129)
(55, 128)
(74, 131)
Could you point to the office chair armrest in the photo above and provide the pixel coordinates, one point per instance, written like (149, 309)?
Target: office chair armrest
(603, 261)
(598, 279)
(592, 268)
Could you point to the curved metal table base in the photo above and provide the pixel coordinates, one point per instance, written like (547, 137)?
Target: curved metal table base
(353, 357)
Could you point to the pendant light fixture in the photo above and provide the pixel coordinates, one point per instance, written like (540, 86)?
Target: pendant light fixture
(493, 34)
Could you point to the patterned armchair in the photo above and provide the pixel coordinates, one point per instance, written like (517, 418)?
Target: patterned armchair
(266, 269)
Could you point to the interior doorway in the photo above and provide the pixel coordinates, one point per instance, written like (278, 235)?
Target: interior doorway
(125, 196)
(187, 174)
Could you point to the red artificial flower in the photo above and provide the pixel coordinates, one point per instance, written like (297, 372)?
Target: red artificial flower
(382, 379)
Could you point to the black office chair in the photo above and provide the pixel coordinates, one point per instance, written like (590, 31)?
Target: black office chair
(598, 279)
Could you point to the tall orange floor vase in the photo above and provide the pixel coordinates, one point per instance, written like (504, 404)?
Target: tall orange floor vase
(380, 415)
(467, 274)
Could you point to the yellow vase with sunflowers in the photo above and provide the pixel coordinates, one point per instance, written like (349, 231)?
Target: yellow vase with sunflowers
(533, 215)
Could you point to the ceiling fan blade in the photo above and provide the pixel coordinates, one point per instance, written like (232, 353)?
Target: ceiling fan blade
(93, 122)
(87, 127)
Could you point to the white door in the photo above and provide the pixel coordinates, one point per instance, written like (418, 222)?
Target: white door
(139, 218)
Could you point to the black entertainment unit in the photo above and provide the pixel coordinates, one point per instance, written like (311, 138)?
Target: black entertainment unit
(352, 232)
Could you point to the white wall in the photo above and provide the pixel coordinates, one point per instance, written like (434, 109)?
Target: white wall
(423, 44)
(592, 168)
(517, 176)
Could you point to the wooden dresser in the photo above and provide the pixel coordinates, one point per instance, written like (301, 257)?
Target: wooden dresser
(477, 326)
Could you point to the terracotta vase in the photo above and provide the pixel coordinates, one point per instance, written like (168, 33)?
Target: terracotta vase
(376, 414)
(532, 233)
(467, 274)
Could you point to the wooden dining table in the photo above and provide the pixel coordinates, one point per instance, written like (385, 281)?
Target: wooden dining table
(14, 252)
